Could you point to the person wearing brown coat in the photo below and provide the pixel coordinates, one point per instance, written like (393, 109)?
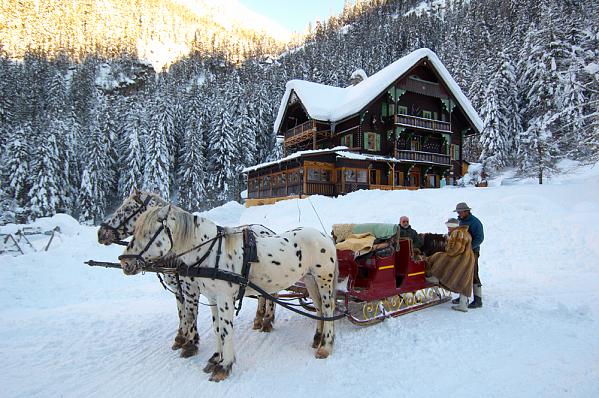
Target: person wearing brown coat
(454, 268)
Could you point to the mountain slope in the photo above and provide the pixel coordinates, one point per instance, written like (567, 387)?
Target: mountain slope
(155, 30)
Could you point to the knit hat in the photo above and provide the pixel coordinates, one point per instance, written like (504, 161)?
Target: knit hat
(452, 223)
(461, 207)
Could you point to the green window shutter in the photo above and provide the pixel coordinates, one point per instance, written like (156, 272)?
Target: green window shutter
(403, 110)
(435, 116)
(351, 141)
(365, 140)
(426, 114)
(385, 109)
(378, 142)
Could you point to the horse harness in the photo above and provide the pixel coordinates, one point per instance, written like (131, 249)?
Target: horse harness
(195, 270)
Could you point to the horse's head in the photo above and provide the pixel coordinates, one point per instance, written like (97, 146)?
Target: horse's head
(160, 233)
(152, 240)
(120, 225)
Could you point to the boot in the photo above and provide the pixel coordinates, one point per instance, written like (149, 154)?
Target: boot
(462, 304)
(478, 297)
(456, 300)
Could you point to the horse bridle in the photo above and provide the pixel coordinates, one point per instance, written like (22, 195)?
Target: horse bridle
(142, 207)
(139, 256)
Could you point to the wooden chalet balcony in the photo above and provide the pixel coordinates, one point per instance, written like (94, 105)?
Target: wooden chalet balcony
(418, 156)
(422, 123)
(306, 131)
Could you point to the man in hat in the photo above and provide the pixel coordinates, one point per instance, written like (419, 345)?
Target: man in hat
(406, 231)
(475, 227)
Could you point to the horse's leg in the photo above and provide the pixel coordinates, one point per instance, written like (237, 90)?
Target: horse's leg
(315, 296)
(269, 316)
(180, 337)
(260, 311)
(226, 307)
(326, 287)
(190, 348)
(217, 356)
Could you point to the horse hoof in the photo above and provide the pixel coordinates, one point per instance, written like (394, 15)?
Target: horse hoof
(212, 362)
(317, 340)
(189, 350)
(209, 368)
(266, 327)
(220, 373)
(322, 353)
(257, 325)
(178, 343)
(176, 346)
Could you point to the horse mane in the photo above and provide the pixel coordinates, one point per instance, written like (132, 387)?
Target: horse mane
(182, 229)
(154, 195)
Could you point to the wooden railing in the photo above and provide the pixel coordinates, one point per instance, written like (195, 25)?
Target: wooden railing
(348, 187)
(418, 156)
(423, 123)
(309, 125)
(320, 188)
(387, 187)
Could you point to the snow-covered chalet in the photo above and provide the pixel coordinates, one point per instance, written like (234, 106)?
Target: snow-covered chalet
(401, 128)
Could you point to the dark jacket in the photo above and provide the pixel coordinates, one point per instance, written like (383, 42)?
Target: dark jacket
(475, 227)
(412, 234)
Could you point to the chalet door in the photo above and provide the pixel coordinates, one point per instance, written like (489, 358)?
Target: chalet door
(373, 180)
(414, 179)
(432, 180)
(398, 178)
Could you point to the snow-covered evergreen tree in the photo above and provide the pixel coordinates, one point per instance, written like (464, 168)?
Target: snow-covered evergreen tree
(494, 141)
(96, 181)
(132, 158)
(157, 162)
(16, 165)
(192, 176)
(537, 149)
(222, 148)
(46, 196)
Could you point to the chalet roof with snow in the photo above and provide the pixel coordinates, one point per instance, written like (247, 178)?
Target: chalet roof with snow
(332, 104)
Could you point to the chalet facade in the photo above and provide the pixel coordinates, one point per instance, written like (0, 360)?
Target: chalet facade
(401, 128)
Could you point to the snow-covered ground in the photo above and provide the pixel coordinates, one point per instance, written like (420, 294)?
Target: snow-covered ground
(74, 331)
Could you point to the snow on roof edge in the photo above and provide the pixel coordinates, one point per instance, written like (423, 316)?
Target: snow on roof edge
(355, 98)
(292, 156)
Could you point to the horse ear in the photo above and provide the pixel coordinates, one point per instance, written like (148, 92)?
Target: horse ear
(163, 213)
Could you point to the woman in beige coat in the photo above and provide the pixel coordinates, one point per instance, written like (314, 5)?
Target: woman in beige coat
(454, 268)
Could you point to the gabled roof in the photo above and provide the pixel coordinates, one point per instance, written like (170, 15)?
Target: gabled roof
(331, 104)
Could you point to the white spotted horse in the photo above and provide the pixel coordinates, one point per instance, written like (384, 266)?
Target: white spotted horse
(280, 261)
(120, 226)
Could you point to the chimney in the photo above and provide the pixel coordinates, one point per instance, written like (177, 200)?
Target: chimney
(357, 77)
